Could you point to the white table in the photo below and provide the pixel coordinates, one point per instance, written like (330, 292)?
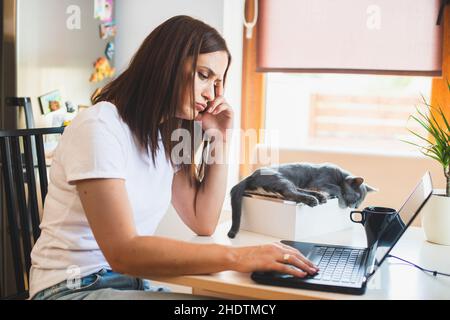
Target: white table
(393, 280)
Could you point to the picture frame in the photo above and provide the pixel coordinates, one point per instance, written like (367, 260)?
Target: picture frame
(108, 30)
(50, 102)
(103, 10)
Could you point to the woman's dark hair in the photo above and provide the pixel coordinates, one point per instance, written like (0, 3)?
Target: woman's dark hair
(149, 92)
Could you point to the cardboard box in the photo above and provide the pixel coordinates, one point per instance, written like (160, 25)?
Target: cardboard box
(290, 220)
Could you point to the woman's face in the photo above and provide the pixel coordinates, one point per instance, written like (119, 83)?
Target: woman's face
(207, 80)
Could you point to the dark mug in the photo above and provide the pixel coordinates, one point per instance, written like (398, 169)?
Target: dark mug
(374, 220)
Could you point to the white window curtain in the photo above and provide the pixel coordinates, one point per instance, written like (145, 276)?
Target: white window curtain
(350, 36)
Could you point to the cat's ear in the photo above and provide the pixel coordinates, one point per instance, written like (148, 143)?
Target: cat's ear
(370, 189)
(354, 181)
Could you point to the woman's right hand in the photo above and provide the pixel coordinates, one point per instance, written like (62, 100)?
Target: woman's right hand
(272, 257)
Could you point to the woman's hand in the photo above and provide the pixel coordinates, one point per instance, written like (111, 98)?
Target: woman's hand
(218, 114)
(273, 257)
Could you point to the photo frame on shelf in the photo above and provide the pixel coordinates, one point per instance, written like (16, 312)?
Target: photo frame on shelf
(108, 30)
(103, 10)
(50, 102)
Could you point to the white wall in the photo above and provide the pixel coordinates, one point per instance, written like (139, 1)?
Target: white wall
(51, 56)
(137, 18)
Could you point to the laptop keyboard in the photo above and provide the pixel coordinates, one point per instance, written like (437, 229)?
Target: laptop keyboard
(337, 264)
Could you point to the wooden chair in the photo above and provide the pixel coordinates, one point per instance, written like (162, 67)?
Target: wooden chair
(22, 155)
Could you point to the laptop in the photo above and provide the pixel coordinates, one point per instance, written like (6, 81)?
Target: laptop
(347, 269)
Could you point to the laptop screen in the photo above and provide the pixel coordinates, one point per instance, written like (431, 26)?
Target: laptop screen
(407, 213)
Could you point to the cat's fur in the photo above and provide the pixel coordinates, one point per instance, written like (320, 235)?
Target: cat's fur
(307, 183)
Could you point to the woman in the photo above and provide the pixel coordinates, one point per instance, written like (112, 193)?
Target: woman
(113, 176)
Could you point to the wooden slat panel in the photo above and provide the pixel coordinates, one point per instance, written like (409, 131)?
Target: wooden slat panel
(330, 129)
(330, 98)
(362, 112)
(24, 218)
(8, 176)
(32, 192)
(41, 166)
(333, 115)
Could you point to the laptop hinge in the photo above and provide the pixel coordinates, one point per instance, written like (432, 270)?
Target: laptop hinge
(370, 262)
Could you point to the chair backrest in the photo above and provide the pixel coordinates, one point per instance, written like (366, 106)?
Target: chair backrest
(24, 102)
(22, 154)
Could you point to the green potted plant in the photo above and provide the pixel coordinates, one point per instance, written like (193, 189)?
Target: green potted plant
(436, 213)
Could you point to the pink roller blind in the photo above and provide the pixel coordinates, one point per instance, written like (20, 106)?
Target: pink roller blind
(356, 36)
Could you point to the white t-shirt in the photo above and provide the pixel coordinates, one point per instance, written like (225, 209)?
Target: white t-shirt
(97, 144)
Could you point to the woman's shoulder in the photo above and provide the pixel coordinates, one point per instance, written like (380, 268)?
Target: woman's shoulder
(102, 110)
(101, 118)
(102, 113)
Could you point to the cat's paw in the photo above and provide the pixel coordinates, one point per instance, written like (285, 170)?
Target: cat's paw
(322, 197)
(311, 201)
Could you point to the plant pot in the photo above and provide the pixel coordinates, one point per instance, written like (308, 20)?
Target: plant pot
(436, 219)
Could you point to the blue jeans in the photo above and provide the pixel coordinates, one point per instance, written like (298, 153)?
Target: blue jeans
(108, 285)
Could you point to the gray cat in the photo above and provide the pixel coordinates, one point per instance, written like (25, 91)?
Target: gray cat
(307, 183)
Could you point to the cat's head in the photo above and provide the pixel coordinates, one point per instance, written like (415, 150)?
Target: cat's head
(354, 191)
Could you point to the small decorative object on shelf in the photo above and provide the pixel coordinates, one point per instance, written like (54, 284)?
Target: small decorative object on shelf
(108, 30)
(82, 107)
(103, 10)
(70, 107)
(66, 123)
(102, 70)
(50, 101)
(109, 51)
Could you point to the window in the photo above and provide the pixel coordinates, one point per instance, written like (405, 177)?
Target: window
(361, 113)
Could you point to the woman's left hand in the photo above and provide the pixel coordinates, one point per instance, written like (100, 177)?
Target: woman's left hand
(218, 115)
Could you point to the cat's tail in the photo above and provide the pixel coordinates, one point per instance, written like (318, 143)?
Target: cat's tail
(237, 192)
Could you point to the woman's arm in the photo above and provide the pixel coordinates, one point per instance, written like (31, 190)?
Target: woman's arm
(200, 208)
(109, 213)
